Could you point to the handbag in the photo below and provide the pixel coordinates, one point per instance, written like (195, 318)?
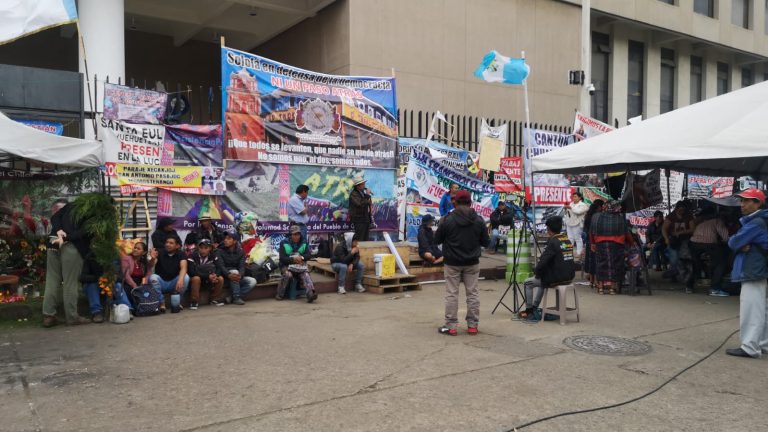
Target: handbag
(147, 300)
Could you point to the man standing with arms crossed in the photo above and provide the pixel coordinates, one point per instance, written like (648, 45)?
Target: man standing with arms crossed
(750, 244)
(297, 210)
(462, 234)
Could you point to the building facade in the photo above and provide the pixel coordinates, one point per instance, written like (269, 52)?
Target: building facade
(646, 57)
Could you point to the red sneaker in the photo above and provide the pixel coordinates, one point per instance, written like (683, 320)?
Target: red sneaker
(448, 331)
(472, 331)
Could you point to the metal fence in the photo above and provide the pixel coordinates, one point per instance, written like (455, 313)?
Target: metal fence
(464, 129)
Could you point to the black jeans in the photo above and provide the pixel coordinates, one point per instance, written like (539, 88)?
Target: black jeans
(362, 230)
(717, 257)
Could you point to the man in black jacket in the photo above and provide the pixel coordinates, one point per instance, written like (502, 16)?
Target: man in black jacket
(205, 269)
(462, 234)
(68, 244)
(164, 229)
(555, 266)
(233, 260)
(360, 209)
(206, 230)
(345, 260)
(500, 217)
(428, 250)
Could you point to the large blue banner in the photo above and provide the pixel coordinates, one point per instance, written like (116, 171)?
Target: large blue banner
(278, 113)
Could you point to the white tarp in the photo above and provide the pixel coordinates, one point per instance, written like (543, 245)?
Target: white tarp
(29, 143)
(726, 136)
(22, 17)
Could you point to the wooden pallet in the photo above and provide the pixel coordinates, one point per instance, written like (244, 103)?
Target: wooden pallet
(323, 269)
(397, 283)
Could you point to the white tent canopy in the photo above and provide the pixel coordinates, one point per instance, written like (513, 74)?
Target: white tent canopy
(23, 141)
(726, 135)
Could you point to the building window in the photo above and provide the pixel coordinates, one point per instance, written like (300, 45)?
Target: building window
(635, 68)
(740, 13)
(697, 79)
(765, 24)
(667, 101)
(672, 2)
(704, 7)
(601, 51)
(722, 78)
(746, 77)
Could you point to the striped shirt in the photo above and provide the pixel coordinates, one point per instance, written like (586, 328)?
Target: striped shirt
(710, 231)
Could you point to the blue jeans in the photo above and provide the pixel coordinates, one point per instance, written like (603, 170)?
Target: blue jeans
(673, 255)
(657, 252)
(240, 288)
(341, 270)
(164, 287)
(93, 293)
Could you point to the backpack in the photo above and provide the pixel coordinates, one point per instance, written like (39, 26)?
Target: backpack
(147, 300)
(261, 272)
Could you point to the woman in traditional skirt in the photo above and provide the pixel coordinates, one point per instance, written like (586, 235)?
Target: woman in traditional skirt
(589, 257)
(609, 233)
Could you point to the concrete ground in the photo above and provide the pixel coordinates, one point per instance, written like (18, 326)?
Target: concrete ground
(365, 362)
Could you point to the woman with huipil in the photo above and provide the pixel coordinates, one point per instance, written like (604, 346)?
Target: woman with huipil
(608, 235)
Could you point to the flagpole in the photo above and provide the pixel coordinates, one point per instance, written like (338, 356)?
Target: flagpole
(533, 194)
(87, 78)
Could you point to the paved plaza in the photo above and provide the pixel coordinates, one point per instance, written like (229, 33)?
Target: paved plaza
(365, 362)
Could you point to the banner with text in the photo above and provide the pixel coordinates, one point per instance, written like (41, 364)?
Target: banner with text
(127, 143)
(134, 105)
(190, 179)
(549, 189)
(278, 113)
(509, 177)
(700, 186)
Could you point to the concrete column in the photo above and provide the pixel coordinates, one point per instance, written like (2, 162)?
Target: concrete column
(102, 24)
(682, 77)
(710, 76)
(617, 97)
(735, 76)
(652, 80)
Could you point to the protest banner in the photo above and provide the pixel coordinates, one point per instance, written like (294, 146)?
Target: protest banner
(586, 127)
(509, 177)
(51, 127)
(640, 220)
(134, 105)
(492, 140)
(700, 186)
(456, 158)
(190, 180)
(282, 114)
(643, 191)
(127, 143)
(428, 180)
(413, 219)
(193, 145)
(265, 189)
(549, 189)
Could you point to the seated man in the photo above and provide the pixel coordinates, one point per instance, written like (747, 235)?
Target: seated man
(344, 260)
(205, 270)
(500, 217)
(294, 254)
(428, 250)
(233, 261)
(555, 266)
(170, 274)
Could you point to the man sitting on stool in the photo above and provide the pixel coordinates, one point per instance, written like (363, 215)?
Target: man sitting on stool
(294, 254)
(428, 250)
(555, 266)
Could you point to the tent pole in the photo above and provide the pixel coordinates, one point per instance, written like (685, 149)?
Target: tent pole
(669, 197)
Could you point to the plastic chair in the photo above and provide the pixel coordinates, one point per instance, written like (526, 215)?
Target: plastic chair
(561, 309)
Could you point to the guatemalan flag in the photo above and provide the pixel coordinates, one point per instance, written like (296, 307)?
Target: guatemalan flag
(22, 17)
(498, 68)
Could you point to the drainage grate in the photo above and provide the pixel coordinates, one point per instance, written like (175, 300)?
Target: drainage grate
(607, 345)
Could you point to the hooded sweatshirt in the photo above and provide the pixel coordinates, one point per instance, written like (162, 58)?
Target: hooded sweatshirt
(462, 234)
(751, 265)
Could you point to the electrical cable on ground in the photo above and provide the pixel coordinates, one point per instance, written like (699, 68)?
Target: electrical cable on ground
(605, 407)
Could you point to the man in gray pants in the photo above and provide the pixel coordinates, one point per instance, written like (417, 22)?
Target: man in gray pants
(462, 234)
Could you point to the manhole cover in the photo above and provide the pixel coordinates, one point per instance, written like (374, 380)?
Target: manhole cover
(607, 345)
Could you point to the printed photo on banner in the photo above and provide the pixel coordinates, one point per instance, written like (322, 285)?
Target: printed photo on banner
(190, 180)
(192, 145)
(586, 127)
(278, 113)
(265, 188)
(129, 143)
(642, 191)
(134, 105)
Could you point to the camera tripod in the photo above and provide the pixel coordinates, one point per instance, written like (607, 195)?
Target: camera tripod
(518, 294)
